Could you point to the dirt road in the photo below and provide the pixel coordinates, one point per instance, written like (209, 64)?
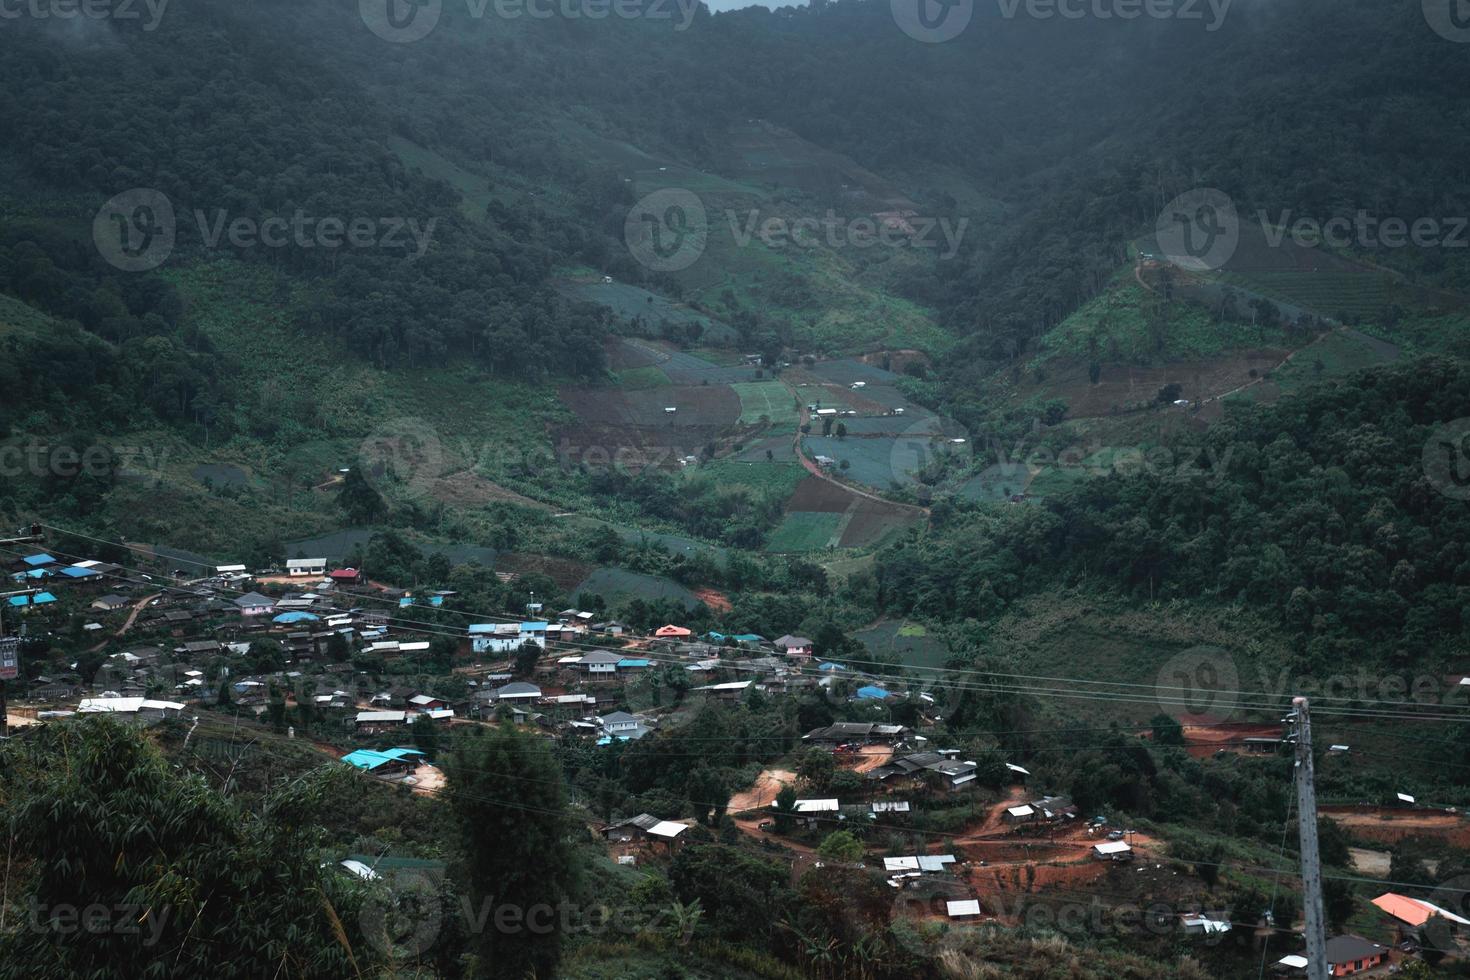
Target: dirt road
(128, 623)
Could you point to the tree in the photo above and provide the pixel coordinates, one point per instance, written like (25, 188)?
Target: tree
(785, 810)
(506, 797)
(841, 846)
(359, 500)
(106, 822)
(816, 768)
(1167, 730)
(527, 656)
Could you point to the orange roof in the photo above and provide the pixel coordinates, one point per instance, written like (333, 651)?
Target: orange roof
(1402, 907)
(1414, 911)
(672, 630)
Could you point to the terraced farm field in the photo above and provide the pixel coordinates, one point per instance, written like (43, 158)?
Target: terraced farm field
(634, 304)
(766, 401)
(804, 531)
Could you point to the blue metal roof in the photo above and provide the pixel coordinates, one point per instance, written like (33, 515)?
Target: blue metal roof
(481, 628)
(296, 617)
(633, 662)
(876, 693)
(40, 560)
(39, 599)
(72, 571)
(539, 627)
(372, 759)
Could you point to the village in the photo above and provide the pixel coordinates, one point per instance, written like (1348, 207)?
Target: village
(357, 665)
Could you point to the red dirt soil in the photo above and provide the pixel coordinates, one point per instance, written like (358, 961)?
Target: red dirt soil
(1203, 741)
(1389, 825)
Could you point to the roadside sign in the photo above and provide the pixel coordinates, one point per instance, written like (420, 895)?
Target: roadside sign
(9, 658)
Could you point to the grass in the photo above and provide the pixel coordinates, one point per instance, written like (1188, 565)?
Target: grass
(1337, 353)
(769, 401)
(804, 531)
(635, 379)
(1130, 323)
(771, 479)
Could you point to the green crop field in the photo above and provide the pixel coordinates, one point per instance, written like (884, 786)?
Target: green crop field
(804, 531)
(766, 401)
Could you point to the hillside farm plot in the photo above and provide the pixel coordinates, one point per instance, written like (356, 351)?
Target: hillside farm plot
(914, 421)
(1340, 352)
(911, 643)
(634, 430)
(871, 522)
(636, 305)
(847, 370)
(874, 462)
(766, 400)
(997, 482)
(690, 369)
(567, 573)
(805, 531)
(825, 396)
(618, 585)
(819, 496)
(780, 448)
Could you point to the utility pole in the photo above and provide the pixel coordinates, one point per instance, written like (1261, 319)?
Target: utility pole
(1306, 814)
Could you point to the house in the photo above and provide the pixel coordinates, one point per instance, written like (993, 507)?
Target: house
(622, 726)
(377, 720)
(795, 646)
(505, 637)
(673, 632)
(1112, 850)
(196, 648)
(1020, 814)
(518, 691)
(255, 604)
(962, 909)
(1204, 925)
(138, 709)
(345, 576)
(427, 702)
(111, 602)
(1412, 914)
(863, 733)
(306, 566)
(728, 691)
(385, 762)
(928, 768)
(1347, 955)
(934, 863)
(644, 827)
(809, 812)
(600, 662)
(871, 693)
